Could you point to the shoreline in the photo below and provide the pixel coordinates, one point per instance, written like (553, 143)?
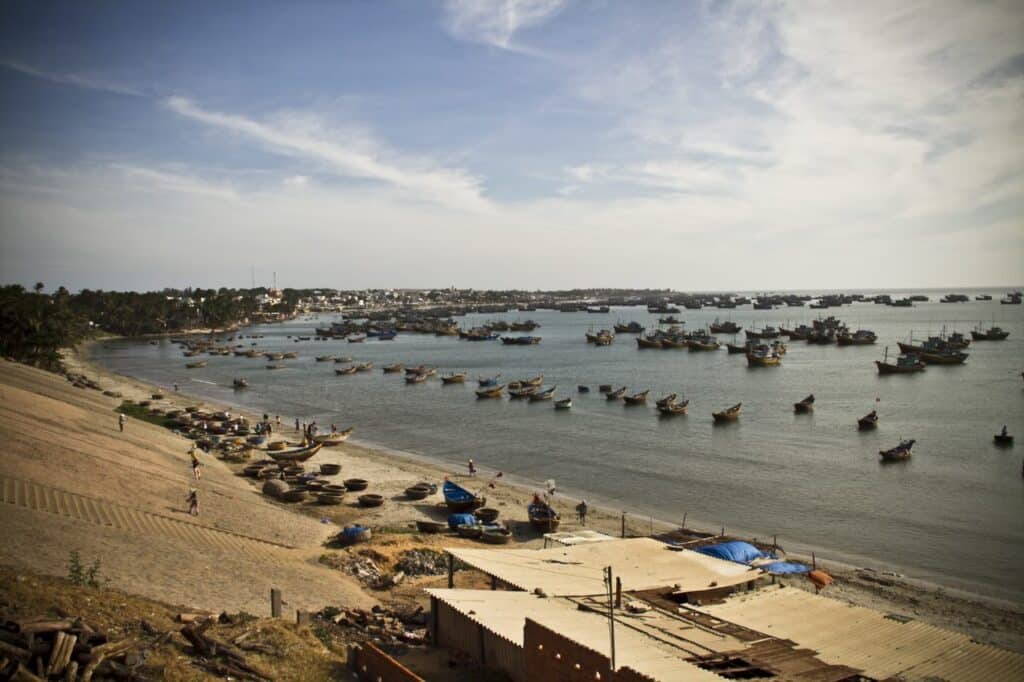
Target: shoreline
(877, 586)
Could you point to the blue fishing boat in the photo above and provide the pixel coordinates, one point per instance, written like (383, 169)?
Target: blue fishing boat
(542, 516)
(488, 382)
(459, 499)
(387, 336)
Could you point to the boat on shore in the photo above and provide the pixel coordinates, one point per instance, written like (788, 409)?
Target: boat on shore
(458, 499)
(543, 517)
(356, 339)
(729, 414)
(868, 421)
(296, 455)
(805, 405)
(637, 398)
(334, 437)
(899, 453)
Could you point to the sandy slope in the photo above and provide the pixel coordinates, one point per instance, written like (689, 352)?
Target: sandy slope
(70, 480)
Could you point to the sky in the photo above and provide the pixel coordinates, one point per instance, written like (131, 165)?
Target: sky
(533, 144)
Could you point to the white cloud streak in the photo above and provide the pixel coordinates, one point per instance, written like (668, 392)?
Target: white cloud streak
(83, 81)
(495, 22)
(355, 156)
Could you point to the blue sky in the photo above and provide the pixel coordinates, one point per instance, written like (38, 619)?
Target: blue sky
(512, 143)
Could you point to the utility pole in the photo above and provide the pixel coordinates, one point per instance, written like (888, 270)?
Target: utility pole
(609, 583)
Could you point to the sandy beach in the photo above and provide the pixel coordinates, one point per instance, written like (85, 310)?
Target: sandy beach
(86, 419)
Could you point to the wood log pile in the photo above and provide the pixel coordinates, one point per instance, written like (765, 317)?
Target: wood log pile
(64, 649)
(381, 625)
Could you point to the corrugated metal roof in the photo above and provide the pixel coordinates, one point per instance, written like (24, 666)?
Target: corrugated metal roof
(641, 564)
(577, 537)
(505, 614)
(863, 638)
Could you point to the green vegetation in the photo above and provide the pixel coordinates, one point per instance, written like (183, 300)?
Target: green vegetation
(81, 575)
(130, 409)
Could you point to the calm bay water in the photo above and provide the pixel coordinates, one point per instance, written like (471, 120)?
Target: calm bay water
(953, 514)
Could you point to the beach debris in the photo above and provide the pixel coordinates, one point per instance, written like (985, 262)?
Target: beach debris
(422, 561)
(380, 624)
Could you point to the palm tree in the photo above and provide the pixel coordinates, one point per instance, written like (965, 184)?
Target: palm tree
(39, 287)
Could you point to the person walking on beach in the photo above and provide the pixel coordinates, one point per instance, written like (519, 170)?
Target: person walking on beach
(277, 420)
(193, 502)
(120, 422)
(581, 511)
(195, 464)
(472, 467)
(296, 423)
(175, 388)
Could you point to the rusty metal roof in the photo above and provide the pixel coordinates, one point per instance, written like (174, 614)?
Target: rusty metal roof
(505, 613)
(867, 639)
(641, 564)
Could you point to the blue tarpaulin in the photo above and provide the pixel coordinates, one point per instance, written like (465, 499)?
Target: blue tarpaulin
(740, 552)
(781, 567)
(456, 520)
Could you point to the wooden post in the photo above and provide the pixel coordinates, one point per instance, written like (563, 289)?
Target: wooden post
(275, 602)
(684, 521)
(494, 582)
(723, 532)
(623, 524)
(451, 571)
(618, 592)
(302, 617)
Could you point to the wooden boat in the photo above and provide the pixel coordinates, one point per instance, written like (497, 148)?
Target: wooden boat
(637, 398)
(868, 421)
(486, 382)
(734, 349)
(291, 355)
(520, 340)
(342, 360)
(543, 517)
(615, 395)
(631, 328)
(356, 339)
(419, 369)
(674, 408)
(898, 453)
(324, 358)
(805, 405)
(522, 392)
(351, 369)
(862, 337)
(276, 366)
(728, 415)
(604, 388)
(335, 438)
(673, 342)
(726, 327)
(297, 455)
(542, 395)
(703, 344)
(905, 364)
(670, 398)
(535, 381)
(766, 333)
(604, 340)
(992, 334)
(457, 378)
(763, 356)
(416, 378)
(563, 404)
(393, 369)
(239, 383)
(458, 499)
(196, 365)
(490, 391)
(1003, 439)
(430, 526)
(648, 342)
(364, 367)
(946, 357)
(583, 389)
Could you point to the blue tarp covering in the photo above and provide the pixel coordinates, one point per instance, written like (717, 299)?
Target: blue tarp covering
(780, 567)
(353, 532)
(456, 520)
(740, 552)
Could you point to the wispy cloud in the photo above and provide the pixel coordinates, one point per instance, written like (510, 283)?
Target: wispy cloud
(162, 180)
(351, 155)
(78, 80)
(495, 22)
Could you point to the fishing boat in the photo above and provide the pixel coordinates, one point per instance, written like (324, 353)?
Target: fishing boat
(520, 340)
(196, 365)
(563, 404)
(805, 405)
(730, 414)
(992, 334)
(671, 319)
(671, 341)
(342, 360)
(734, 349)
(543, 517)
(296, 455)
(456, 378)
(861, 337)
(583, 389)
(905, 364)
(868, 421)
(489, 381)
(351, 369)
(727, 327)
(521, 392)
(324, 358)
(766, 333)
(670, 398)
(604, 340)
(674, 408)
(705, 343)
(898, 453)
(459, 499)
(393, 369)
(636, 398)
(416, 378)
(334, 437)
(356, 339)
(387, 336)
(631, 328)
(535, 381)
(547, 394)
(648, 341)
(615, 395)
(490, 391)
(944, 357)
(763, 356)
(240, 383)
(1003, 438)
(276, 366)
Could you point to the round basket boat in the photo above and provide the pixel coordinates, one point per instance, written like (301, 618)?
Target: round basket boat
(277, 446)
(333, 489)
(417, 493)
(268, 472)
(496, 536)
(330, 469)
(430, 526)
(157, 396)
(471, 532)
(486, 515)
(371, 500)
(253, 470)
(315, 485)
(294, 469)
(356, 484)
(296, 494)
(329, 498)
